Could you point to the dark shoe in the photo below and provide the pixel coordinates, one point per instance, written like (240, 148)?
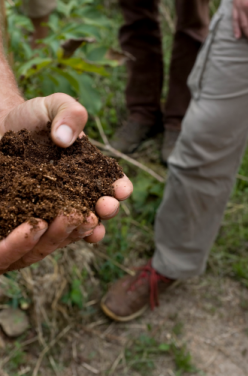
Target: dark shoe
(169, 141)
(130, 135)
(129, 297)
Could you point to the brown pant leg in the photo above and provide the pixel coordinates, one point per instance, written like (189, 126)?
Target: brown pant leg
(191, 31)
(140, 36)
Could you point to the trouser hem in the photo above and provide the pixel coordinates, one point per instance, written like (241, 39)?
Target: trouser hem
(171, 272)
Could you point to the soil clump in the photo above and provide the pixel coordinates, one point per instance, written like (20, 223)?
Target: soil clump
(41, 180)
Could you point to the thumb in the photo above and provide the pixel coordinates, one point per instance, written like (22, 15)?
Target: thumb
(68, 117)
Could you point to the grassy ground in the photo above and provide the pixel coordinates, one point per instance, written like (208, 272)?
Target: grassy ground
(68, 334)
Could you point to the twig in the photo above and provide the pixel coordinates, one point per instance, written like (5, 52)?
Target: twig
(107, 337)
(90, 368)
(116, 362)
(117, 153)
(53, 364)
(106, 257)
(125, 208)
(47, 348)
(165, 12)
(128, 159)
(50, 177)
(101, 131)
(241, 177)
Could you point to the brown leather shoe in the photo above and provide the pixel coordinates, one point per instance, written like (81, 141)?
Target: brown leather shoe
(129, 297)
(169, 142)
(130, 135)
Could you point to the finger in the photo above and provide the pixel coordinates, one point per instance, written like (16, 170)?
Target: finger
(75, 236)
(123, 188)
(107, 207)
(244, 23)
(68, 117)
(235, 21)
(85, 229)
(98, 234)
(57, 232)
(19, 242)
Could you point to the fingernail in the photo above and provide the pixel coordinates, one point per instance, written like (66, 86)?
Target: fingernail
(112, 214)
(83, 234)
(37, 235)
(64, 134)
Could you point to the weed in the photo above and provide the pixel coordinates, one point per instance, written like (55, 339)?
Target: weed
(178, 328)
(142, 354)
(17, 358)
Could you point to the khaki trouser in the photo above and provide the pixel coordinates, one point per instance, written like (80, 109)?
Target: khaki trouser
(208, 153)
(38, 8)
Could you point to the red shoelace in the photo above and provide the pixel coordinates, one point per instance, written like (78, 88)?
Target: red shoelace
(148, 272)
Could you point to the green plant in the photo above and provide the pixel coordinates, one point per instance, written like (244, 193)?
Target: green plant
(17, 358)
(141, 355)
(44, 71)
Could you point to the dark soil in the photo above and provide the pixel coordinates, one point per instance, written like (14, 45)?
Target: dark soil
(41, 180)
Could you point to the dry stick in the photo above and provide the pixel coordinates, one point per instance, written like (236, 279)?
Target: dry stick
(166, 13)
(101, 131)
(48, 347)
(116, 362)
(106, 257)
(107, 337)
(241, 177)
(107, 146)
(128, 159)
(90, 368)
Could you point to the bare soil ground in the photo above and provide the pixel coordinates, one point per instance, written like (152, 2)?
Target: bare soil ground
(212, 314)
(215, 329)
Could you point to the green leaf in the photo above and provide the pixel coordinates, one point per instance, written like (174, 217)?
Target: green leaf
(88, 94)
(52, 83)
(66, 9)
(81, 65)
(17, 21)
(94, 17)
(97, 54)
(76, 294)
(164, 347)
(72, 81)
(86, 30)
(33, 66)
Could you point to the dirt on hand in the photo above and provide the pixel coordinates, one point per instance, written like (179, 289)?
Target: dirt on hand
(41, 180)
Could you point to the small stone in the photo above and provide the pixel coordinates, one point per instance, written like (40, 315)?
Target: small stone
(14, 322)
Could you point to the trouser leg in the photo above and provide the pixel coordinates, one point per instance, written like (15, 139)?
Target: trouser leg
(205, 160)
(140, 36)
(38, 8)
(191, 31)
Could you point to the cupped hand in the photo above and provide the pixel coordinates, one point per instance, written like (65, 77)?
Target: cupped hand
(240, 18)
(27, 244)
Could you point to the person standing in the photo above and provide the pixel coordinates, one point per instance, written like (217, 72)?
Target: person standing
(141, 37)
(202, 167)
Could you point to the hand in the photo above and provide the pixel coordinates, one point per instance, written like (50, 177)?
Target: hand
(240, 18)
(26, 245)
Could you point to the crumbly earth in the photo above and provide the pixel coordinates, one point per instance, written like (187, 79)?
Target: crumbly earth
(41, 180)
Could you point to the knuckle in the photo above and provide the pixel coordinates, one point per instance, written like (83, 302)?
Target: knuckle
(80, 111)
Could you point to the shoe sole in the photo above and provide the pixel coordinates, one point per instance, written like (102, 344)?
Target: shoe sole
(115, 317)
